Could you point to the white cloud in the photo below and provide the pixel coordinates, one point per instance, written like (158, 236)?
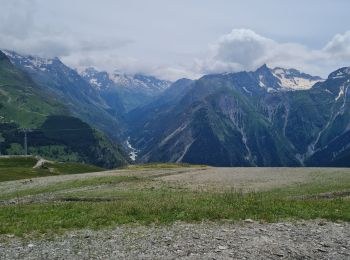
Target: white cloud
(88, 33)
(243, 49)
(112, 61)
(173, 73)
(22, 30)
(339, 47)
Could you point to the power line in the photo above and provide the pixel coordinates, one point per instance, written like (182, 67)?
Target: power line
(45, 130)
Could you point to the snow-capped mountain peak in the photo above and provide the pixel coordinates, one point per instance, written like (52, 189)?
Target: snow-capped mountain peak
(340, 73)
(122, 79)
(98, 79)
(29, 61)
(117, 79)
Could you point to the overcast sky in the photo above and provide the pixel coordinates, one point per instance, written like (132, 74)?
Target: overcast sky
(181, 38)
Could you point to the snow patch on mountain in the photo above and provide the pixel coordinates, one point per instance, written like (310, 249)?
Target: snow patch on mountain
(341, 93)
(132, 150)
(139, 81)
(94, 82)
(261, 84)
(340, 73)
(117, 79)
(271, 90)
(246, 90)
(28, 61)
(295, 80)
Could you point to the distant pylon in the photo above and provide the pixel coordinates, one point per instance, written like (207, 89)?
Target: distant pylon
(25, 131)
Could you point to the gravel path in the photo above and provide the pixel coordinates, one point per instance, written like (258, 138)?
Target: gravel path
(247, 240)
(253, 178)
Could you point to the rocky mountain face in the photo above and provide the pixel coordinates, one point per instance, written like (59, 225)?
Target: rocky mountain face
(332, 143)
(250, 119)
(132, 91)
(54, 132)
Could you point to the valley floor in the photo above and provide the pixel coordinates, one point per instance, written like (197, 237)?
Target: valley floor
(171, 211)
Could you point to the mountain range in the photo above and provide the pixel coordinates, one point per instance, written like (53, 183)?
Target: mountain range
(267, 117)
(259, 118)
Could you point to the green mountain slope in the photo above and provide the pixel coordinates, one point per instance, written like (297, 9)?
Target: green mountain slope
(80, 98)
(20, 99)
(64, 138)
(55, 134)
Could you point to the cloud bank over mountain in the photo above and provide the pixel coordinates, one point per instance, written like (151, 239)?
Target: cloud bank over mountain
(244, 49)
(161, 43)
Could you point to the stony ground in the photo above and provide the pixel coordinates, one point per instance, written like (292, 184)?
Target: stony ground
(224, 240)
(246, 240)
(248, 179)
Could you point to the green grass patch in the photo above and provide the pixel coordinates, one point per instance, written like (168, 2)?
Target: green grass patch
(162, 206)
(108, 201)
(68, 185)
(16, 168)
(165, 207)
(161, 166)
(23, 162)
(318, 182)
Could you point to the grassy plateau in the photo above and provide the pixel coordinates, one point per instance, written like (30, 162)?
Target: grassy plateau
(144, 196)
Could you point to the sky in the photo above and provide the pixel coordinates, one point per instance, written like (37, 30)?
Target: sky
(172, 39)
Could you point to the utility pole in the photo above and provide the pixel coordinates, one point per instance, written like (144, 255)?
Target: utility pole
(25, 131)
(25, 144)
(2, 139)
